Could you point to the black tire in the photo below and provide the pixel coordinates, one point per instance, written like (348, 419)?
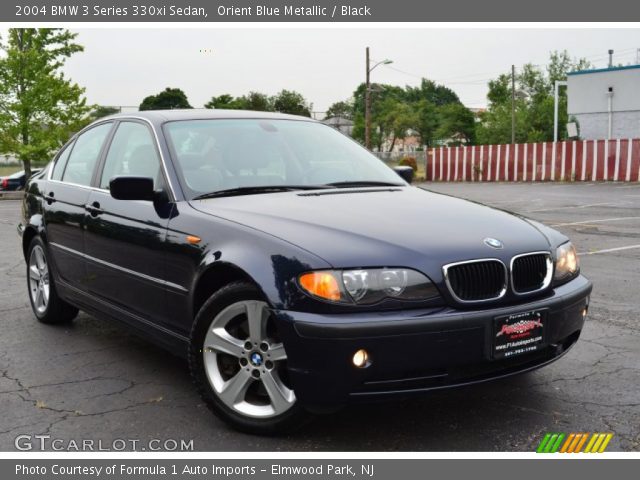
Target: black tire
(234, 294)
(55, 310)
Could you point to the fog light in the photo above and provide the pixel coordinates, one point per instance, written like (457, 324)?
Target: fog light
(584, 312)
(361, 358)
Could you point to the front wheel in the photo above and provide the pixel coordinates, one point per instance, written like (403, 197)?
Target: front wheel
(47, 306)
(239, 363)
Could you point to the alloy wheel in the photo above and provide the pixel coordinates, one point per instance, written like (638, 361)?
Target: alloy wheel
(246, 363)
(39, 286)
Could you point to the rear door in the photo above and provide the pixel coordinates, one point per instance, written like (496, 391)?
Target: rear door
(125, 240)
(66, 196)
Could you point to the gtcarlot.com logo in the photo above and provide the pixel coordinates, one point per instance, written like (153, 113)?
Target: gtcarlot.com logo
(47, 442)
(574, 443)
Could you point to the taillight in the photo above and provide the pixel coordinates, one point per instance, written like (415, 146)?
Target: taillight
(5, 182)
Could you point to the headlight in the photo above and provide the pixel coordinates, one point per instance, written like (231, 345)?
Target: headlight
(368, 286)
(567, 264)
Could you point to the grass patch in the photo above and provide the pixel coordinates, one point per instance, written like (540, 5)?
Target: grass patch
(6, 170)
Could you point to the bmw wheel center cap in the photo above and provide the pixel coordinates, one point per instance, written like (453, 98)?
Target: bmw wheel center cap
(256, 359)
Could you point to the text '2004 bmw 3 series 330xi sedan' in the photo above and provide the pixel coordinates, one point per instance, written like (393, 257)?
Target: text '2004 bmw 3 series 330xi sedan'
(294, 270)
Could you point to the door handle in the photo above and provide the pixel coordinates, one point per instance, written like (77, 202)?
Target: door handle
(94, 209)
(50, 198)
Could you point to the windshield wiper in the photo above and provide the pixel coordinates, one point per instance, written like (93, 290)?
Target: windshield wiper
(364, 183)
(230, 192)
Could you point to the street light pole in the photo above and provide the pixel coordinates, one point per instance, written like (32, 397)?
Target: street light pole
(367, 106)
(556, 95)
(513, 104)
(367, 98)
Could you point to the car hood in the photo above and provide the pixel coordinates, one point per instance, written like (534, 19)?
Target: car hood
(405, 226)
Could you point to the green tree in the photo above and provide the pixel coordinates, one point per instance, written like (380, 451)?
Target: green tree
(383, 97)
(533, 105)
(344, 109)
(222, 101)
(399, 118)
(291, 102)
(168, 99)
(456, 121)
(103, 111)
(225, 102)
(39, 107)
(424, 103)
(426, 121)
(256, 101)
(428, 90)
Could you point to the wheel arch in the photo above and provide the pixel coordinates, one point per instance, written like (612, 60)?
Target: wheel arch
(34, 228)
(216, 276)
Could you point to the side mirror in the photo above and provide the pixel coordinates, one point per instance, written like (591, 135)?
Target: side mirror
(132, 188)
(406, 173)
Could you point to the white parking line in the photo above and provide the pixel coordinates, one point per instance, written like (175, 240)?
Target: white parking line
(570, 207)
(500, 202)
(601, 220)
(607, 250)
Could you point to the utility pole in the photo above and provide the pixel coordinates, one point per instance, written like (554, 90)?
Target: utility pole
(513, 104)
(367, 106)
(367, 98)
(556, 100)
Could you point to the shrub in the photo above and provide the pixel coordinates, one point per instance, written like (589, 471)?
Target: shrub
(409, 162)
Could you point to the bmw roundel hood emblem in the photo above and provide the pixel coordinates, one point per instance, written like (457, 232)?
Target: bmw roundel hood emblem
(493, 242)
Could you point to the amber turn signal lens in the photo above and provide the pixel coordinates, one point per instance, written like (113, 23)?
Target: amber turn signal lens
(321, 284)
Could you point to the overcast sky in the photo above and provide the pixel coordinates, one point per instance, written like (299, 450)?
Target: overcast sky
(122, 66)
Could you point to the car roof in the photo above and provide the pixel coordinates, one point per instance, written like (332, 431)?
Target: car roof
(161, 116)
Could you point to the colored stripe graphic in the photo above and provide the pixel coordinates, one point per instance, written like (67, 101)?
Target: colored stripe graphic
(556, 445)
(567, 442)
(543, 443)
(581, 443)
(606, 441)
(574, 442)
(591, 442)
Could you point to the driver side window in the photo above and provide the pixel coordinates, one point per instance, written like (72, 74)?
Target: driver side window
(132, 152)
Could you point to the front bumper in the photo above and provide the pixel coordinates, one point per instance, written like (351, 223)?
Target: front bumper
(417, 351)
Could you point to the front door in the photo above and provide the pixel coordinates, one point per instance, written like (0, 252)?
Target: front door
(125, 240)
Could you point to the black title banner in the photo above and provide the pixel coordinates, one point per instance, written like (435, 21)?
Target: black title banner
(318, 11)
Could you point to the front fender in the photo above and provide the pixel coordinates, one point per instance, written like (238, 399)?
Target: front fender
(271, 264)
(229, 251)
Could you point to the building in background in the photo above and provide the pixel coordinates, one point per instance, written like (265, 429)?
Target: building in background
(605, 102)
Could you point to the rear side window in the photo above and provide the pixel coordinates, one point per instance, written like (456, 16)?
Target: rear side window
(132, 152)
(61, 162)
(85, 155)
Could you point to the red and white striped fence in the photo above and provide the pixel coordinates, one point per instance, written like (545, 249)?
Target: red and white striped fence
(578, 160)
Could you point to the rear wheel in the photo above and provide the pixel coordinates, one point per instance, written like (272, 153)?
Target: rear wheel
(239, 363)
(47, 306)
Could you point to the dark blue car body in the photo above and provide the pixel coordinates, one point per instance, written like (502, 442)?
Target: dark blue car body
(130, 262)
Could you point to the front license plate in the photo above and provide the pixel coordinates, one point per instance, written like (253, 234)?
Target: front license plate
(518, 333)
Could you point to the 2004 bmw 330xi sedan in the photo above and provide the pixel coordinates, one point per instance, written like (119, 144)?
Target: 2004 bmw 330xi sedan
(294, 270)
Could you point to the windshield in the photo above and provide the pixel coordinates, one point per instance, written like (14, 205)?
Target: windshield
(215, 155)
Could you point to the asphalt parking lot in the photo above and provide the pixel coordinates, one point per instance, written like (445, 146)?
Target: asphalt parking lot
(93, 380)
